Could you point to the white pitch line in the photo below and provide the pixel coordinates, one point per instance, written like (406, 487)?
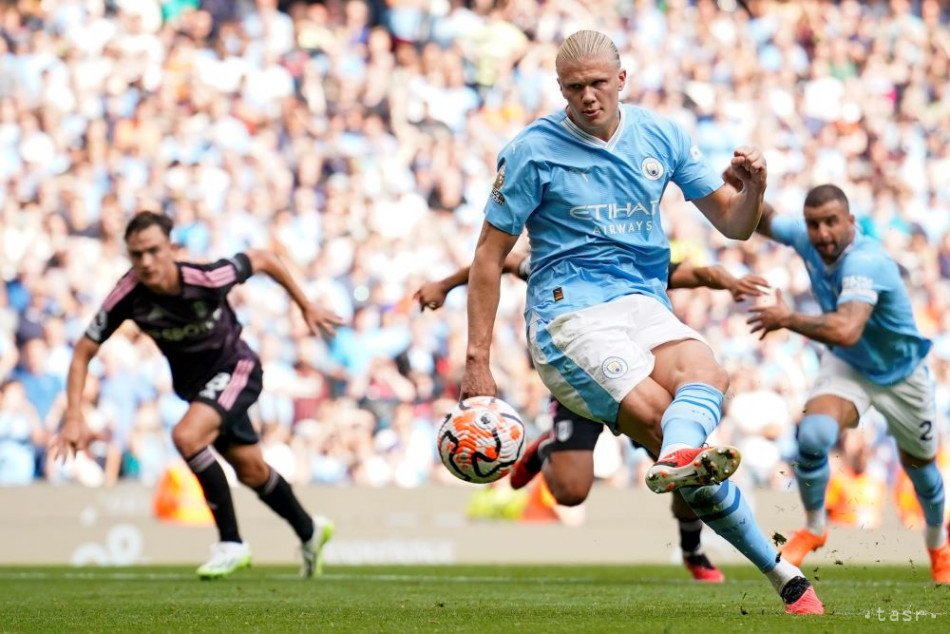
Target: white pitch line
(423, 578)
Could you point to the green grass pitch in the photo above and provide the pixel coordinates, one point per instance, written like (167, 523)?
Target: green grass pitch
(545, 599)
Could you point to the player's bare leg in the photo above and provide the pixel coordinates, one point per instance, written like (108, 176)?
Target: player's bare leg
(532, 461)
(569, 476)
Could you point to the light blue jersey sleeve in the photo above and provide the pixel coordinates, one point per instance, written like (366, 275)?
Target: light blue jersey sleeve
(691, 173)
(789, 231)
(858, 274)
(517, 189)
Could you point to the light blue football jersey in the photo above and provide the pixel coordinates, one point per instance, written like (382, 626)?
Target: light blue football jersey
(592, 208)
(891, 347)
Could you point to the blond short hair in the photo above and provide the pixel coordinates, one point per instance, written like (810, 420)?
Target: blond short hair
(587, 45)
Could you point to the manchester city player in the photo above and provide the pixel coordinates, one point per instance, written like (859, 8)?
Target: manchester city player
(567, 456)
(875, 356)
(184, 308)
(586, 183)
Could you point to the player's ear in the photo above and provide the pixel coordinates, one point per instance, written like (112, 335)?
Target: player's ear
(622, 78)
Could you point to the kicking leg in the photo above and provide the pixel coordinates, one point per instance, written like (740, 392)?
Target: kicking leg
(690, 530)
(688, 369)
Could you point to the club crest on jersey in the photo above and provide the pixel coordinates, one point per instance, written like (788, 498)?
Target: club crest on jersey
(614, 367)
(651, 168)
(496, 194)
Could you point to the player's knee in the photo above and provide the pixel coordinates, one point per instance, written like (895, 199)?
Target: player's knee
(570, 492)
(252, 473)
(817, 434)
(909, 461)
(186, 441)
(711, 374)
(718, 378)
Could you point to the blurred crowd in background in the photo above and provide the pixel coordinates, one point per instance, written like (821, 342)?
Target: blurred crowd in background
(357, 138)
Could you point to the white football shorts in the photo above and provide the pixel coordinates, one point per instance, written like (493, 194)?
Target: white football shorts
(592, 358)
(908, 406)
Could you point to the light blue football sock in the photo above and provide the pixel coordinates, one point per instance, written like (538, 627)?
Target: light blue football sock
(928, 485)
(723, 509)
(692, 416)
(816, 435)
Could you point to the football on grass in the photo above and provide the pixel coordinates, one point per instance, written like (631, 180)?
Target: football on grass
(481, 439)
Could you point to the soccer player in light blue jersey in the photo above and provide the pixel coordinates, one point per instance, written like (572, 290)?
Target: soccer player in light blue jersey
(565, 453)
(875, 356)
(586, 183)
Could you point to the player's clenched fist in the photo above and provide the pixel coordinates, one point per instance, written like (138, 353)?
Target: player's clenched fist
(748, 166)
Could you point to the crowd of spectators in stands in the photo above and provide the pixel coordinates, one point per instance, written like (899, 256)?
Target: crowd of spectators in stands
(357, 138)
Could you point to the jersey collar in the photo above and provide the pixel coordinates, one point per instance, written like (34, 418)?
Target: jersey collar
(575, 131)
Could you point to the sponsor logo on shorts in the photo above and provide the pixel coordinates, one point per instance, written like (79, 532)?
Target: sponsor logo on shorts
(563, 430)
(558, 294)
(651, 168)
(614, 367)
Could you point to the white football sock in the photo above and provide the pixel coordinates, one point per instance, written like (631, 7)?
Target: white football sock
(815, 521)
(935, 536)
(782, 573)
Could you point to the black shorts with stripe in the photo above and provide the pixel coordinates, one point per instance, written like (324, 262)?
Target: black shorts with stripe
(233, 387)
(573, 432)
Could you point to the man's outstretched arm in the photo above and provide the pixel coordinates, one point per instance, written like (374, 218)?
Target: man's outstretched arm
(432, 295)
(320, 320)
(73, 434)
(717, 278)
(842, 327)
